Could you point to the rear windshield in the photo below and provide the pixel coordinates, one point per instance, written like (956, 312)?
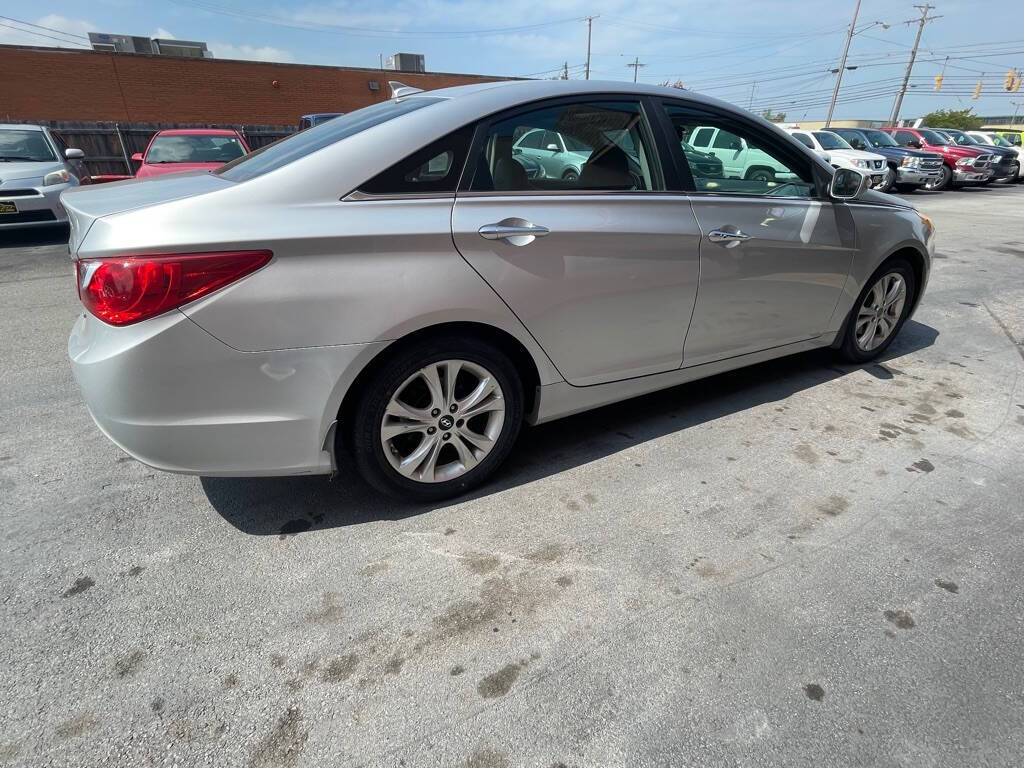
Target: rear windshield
(290, 149)
(194, 149)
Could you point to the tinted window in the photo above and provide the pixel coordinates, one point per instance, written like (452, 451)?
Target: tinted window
(285, 151)
(767, 167)
(905, 138)
(194, 149)
(804, 139)
(935, 139)
(829, 140)
(880, 139)
(435, 168)
(726, 140)
(532, 140)
(702, 137)
(608, 147)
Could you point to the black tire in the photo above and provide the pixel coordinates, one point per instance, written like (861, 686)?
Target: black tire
(906, 189)
(850, 349)
(767, 175)
(376, 392)
(889, 183)
(943, 182)
(570, 176)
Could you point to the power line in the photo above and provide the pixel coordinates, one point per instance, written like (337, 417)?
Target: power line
(40, 34)
(48, 29)
(635, 64)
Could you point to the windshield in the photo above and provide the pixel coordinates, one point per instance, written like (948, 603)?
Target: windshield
(25, 146)
(194, 149)
(935, 139)
(962, 138)
(880, 139)
(298, 145)
(998, 140)
(829, 140)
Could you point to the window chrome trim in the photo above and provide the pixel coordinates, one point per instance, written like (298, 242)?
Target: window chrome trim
(357, 195)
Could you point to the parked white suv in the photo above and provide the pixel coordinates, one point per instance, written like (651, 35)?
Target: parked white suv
(837, 151)
(740, 160)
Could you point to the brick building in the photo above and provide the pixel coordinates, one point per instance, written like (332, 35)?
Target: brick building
(47, 84)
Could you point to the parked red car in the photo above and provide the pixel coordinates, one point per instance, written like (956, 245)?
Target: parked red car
(189, 149)
(960, 164)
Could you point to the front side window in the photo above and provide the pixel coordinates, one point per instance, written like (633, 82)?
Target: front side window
(905, 138)
(935, 139)
(741, 160)
(194, 149)
(298, 145)
(24, 146)
(599, 146)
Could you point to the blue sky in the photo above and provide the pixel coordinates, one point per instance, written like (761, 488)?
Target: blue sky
(762, 53)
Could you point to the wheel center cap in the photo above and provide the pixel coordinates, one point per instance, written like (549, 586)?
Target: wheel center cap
(446, 422)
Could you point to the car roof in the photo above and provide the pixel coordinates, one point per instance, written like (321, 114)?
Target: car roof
(21, 126)
(196, 132)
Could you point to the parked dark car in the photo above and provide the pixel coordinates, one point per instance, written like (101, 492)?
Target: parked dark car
(1007, 165)
(960, 165)
(908, 169)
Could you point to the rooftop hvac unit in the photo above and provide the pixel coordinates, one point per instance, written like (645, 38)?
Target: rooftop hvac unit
(406, 62)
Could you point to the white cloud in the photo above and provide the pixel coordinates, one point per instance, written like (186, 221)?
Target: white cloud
(76, 31)
(250, 52)
(162, 34)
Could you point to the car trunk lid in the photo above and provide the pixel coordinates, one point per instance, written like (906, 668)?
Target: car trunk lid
(87, 204)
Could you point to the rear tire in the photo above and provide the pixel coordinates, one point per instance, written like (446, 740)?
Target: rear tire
(889, 182)
(571, 176)
(877, 316)
(400, 435)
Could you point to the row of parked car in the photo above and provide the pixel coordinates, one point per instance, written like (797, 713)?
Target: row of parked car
(37, 166)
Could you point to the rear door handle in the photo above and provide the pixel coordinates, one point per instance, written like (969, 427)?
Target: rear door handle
(516, 234)
(727, 238)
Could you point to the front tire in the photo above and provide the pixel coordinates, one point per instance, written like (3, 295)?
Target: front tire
(879, 312)
(763, 175)
(941, 183)
(571, 176)
(436, 419)
(889, 181)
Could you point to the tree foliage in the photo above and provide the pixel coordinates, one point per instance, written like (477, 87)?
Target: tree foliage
(964, 119)
(774, 117)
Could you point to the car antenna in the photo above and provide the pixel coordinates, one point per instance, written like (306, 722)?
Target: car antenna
(398, 90)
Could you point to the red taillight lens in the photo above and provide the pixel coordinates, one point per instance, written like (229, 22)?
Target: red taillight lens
(129, 289)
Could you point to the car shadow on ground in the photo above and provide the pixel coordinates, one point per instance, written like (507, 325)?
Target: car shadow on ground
(293, 505)
(29, 237)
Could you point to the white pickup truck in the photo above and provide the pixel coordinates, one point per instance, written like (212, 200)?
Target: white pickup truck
(837, 151)
(739, 160)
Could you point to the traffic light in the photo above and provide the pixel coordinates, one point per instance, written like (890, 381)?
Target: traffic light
(977, 91)
(938, 82)
(1009, 80)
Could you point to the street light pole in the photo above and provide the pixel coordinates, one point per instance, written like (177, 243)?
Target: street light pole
(842, 64)
(590, 28)
(925, 18)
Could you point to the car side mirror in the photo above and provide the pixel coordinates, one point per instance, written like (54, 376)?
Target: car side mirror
(137, 157)
(552, 147)
(517, 150)
(847, 184)
(74, 154)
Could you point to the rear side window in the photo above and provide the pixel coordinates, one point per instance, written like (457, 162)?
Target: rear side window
(285, 151)
(804, 139)
(702, 137)
(904, 138)
(435, 168)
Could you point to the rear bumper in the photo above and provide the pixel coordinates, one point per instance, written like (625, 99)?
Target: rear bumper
(179, 400)
(35, 210)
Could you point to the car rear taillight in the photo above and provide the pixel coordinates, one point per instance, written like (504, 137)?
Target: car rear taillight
(128, 289)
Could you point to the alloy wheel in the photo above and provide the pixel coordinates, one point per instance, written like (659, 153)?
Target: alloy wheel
(442, 421)
(880, 312)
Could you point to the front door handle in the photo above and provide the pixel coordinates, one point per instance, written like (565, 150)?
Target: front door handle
(727, 238)
(513, 231)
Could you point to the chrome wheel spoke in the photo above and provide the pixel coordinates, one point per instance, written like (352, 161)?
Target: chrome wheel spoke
(880, 312)
(415, 434)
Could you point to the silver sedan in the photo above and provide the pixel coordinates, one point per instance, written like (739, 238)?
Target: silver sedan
(35, 168)
(321, 302)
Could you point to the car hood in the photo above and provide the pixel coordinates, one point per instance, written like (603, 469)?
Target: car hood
(957, 151)
(86, 204)
(162, 169)
(855, 154)
(904, 152)
(12, 171)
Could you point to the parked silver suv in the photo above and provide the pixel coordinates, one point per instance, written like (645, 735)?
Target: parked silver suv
(318, 302)
(35, 167)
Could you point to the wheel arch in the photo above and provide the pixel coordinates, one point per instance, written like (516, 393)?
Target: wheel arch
(524, 362)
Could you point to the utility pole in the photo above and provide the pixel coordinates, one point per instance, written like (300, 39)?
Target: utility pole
(565, 70)
(636, 67)
(925, 18)
(1016, 106)
(750, 104)
(590, 28)
(842, 64)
